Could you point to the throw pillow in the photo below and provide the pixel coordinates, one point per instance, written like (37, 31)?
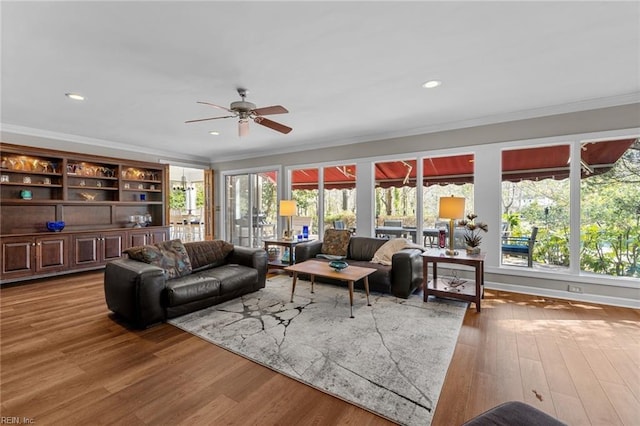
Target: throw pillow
(336, 242)
(386, 251)
(168, 255)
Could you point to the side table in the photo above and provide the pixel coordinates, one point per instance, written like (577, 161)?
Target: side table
(469, 291)
(290, 244)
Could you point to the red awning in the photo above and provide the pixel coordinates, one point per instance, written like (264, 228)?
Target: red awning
(549, 162)
(335, 177)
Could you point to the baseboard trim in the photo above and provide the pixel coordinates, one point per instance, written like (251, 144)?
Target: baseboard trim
(558, 294)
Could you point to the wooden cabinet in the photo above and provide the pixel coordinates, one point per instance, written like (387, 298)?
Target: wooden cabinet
(98, 198)
(29, 255)
(95, 249)
(144, 236)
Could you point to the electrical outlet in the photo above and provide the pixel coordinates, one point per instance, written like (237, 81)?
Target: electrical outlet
(575, 289)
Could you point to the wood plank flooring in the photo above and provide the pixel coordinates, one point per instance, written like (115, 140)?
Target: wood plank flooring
(65, 360)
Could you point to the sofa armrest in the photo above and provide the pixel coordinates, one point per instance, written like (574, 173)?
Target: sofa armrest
(406, 272)
(308, 250)
(253, 258)
(135, 291)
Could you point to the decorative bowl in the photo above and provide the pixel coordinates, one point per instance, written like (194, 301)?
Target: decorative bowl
(55, 226)
(338, 265)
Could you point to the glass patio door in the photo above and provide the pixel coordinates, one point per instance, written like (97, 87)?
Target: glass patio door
(251, 208)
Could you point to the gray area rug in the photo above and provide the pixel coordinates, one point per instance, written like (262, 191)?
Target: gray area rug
(390, 359)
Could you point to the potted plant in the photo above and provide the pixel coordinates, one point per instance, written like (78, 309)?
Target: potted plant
(472, 236)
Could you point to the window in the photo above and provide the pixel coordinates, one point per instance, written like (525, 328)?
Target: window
(610, 207)
(535, 207)
(304, 185)
(251, 213)
(340, 196)
(395, 199)
(443, 177)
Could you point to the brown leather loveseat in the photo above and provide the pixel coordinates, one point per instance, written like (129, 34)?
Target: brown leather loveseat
(401, 278)
(191, 277)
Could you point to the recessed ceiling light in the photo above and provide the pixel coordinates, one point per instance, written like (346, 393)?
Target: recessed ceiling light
(74, 96)
(214, 133)
(431, 84)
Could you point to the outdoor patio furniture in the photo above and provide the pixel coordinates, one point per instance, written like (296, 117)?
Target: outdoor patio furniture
(393, 223)
(520, 246)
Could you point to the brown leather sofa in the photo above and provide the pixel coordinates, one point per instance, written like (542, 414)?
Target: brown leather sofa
(401, 278)
(143, 295)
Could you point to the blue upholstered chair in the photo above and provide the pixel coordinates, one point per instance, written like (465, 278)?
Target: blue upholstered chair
(520, 246)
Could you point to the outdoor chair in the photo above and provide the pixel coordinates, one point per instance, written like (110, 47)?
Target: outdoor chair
(505, 230)
(396, 223)
(520, 246)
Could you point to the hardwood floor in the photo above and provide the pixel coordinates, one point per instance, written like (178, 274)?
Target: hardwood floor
(64, 360)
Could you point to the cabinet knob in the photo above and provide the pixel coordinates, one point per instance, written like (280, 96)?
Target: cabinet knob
(39, 244)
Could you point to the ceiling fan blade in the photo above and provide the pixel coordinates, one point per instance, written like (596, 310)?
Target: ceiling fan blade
(206, 119)
(243, 128)
(215, 106)
(270, 110)
(273, 125)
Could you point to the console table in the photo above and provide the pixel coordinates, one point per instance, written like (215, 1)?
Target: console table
(470, 291)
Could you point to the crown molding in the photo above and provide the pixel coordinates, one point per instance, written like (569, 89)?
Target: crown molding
(67, 137)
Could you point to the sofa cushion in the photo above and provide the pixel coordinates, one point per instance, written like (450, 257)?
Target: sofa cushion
(208, 254)
(363, 248)
(168, 255)
(515, 248)
(385, 253)
(234, 277)
(336, 242)
(380, 280)
(192, 287)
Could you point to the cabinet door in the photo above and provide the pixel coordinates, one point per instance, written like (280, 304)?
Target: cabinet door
(159, 235)
(139, 238)
(85, 250)
(17, 257)
(51, 253)
(113, 244)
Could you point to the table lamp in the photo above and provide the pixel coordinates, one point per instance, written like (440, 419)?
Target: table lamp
(288, 209)
(451, 208)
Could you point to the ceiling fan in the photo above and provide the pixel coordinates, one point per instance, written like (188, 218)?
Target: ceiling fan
(245, 111)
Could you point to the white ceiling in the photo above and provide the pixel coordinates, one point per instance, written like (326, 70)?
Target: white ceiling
(347, 71)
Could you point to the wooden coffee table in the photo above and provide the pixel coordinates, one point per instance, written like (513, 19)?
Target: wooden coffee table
(350, 274)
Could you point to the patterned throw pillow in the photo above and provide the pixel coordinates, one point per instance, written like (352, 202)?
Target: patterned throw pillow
(336, 242)
(168, 255)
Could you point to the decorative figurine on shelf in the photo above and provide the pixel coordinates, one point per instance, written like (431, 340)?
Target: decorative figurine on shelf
(472, 237)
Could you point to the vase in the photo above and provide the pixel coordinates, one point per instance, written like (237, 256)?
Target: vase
(473, 250)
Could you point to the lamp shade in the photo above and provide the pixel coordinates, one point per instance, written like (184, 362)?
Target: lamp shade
(288, 207)
(451, 207)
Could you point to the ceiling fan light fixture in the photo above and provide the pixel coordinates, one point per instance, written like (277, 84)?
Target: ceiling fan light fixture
(431, 84)
(245, 111)
(74, 96)
(243, 127)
